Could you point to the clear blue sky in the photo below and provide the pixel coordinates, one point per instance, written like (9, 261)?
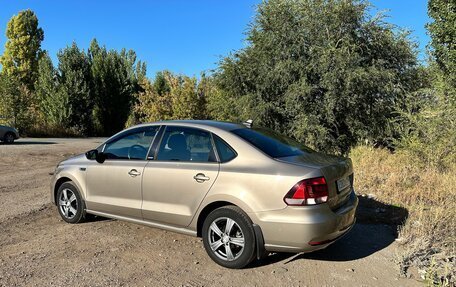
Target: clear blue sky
(181, 36)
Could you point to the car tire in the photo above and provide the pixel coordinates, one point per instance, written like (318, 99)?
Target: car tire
(233, 246)
(8, 138)
(70, 204)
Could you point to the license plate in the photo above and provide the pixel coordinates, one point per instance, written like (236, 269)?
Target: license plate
(343, 183)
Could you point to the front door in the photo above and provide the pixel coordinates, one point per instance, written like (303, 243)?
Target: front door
(176, 182)
(114, 186)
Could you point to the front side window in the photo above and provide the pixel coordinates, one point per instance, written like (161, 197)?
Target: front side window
(186, 144)
(133, 145)
(273, 144)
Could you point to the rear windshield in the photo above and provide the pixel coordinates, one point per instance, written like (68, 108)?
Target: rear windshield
(273, 144)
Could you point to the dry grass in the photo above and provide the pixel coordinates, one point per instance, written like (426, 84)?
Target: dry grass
(428, 236)
(46, 130)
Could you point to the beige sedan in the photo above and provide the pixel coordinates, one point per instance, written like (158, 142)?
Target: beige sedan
(246, 191)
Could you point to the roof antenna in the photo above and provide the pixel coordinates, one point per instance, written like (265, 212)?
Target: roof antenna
(248, 123)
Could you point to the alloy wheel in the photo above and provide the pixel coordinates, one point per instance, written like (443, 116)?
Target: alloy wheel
(9, 138)
(226, 238)
(68, 203)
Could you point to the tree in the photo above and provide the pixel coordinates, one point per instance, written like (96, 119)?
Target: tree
(23, 48)
(19, 69)
(115, 80)
(74, 79)
(54, 103)
(171, 96)
(11, 103)
(430, 122)
(155, 102)
(323, 72)
(443, 37)
(187, 104)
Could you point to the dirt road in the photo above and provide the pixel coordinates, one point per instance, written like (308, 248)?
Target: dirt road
(38, 249)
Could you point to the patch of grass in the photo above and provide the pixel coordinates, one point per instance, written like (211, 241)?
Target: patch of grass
(428, 235)
(46, 130)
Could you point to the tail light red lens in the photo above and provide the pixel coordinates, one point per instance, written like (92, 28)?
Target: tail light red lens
(308, 192)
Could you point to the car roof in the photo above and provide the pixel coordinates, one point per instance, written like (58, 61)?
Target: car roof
(228, 126)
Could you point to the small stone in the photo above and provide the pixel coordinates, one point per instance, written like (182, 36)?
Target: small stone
(350, 270)
(375, 278)
(196, 262)
(279, 270)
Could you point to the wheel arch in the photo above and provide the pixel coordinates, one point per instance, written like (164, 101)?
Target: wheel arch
(67, 177)
(205, 212)
(57, 185)
(260, 251)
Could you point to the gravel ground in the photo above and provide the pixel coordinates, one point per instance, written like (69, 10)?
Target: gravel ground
(38, 249)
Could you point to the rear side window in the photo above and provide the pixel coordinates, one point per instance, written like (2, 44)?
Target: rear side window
(272, 143)
(225, 152)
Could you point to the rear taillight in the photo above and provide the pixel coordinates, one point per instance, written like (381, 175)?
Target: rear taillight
(308, 192)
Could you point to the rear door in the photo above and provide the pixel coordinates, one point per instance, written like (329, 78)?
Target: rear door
(177, 180)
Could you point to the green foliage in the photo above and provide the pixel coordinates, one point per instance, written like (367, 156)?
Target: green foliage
(15, 103)
(154, 102)
(169, 97)
(430, 133)
(89, 93)
(323, 72)
(19, 69)
(429, 126)
(187, 103)
(23, 48)
(115, 80)
(443, 37)
(10, 103)
(74, 82)
(218, 103)
(54, 103)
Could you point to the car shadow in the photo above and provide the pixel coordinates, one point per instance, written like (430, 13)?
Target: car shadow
(28, 142)
(376, 228)
(97, 218)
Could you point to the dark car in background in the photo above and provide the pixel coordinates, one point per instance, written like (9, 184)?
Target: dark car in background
(8, 134)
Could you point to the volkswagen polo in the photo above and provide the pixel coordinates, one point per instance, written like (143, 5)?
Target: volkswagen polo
(246, 191)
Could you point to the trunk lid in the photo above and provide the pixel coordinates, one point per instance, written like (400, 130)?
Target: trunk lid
(338, 172)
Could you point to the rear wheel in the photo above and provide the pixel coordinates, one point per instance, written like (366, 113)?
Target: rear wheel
(8, 138)
(229, 238)
(70, 204)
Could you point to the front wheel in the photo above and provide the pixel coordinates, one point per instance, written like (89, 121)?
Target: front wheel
(70, 204)
(228, 237)
(9, 138)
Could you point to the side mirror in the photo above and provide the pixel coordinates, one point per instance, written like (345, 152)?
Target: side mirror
(95, 155)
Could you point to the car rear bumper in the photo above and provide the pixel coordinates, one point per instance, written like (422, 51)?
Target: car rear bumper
(305, 229)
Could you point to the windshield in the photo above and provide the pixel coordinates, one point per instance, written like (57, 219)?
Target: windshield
(273, 144)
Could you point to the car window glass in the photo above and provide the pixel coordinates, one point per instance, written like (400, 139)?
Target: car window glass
(225, 152)
(186, 144)
(271, 143)
(133, 145)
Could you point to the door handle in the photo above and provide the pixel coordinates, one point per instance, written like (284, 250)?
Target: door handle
(134, 173)
(200, 177)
